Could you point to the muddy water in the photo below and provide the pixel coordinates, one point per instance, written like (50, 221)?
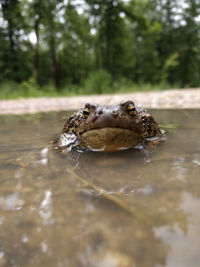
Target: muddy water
(105, 210)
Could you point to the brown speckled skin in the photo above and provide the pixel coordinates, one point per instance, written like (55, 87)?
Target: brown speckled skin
(142, 122)
(107, 128)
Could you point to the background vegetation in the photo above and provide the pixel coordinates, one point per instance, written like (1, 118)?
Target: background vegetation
(60, 47)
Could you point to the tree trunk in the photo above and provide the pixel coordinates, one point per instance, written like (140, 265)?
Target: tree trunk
(36, 56)
(52, 46)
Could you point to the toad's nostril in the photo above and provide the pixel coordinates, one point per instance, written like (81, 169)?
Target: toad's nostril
(94, 118)
(100, 112)
(114, 114)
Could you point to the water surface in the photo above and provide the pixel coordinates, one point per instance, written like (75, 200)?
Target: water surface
(136, 214)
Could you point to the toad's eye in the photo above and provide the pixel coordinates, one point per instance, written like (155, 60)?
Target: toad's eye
(86, 112)
(131, 109)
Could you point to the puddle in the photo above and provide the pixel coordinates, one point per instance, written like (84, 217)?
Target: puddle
(111, 210)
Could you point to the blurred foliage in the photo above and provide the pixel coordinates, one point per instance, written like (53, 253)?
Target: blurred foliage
(58, 47)
(98, 82)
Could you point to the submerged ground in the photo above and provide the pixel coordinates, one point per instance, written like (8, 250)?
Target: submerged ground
(106, 210)
(181, 98)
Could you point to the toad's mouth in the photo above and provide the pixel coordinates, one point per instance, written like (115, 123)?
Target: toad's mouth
(110, 139)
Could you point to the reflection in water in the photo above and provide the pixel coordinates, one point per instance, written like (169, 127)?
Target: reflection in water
(45, 209)
(24, 238)
(119, 212)
(196, 162)
(11, 202)
(184, 248)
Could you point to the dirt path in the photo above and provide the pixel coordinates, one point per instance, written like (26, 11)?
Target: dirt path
(173, 99)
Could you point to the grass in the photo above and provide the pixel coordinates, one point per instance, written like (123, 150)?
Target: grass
(12, 90)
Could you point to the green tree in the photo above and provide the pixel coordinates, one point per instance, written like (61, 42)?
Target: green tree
(75, 53)
(179, 40)
(13, 66)
(126, 41)
(190, 48)
(112, 47)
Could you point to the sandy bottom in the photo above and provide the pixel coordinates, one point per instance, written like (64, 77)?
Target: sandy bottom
(172, 99)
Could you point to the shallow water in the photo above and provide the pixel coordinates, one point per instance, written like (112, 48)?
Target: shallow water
(109, 209)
